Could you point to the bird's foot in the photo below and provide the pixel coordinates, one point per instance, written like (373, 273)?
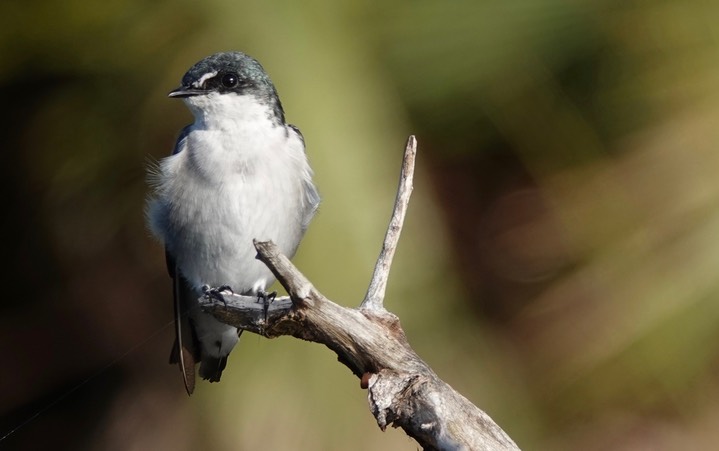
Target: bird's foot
(216, 293)
(266, 299)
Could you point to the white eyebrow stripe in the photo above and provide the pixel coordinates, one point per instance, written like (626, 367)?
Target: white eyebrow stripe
(201, 81)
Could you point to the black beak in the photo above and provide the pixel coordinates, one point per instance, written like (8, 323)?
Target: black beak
(185, 91)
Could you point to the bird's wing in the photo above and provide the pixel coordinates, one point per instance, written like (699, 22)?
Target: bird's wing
(312, 202)
(186, 351)
(182, 139)
(311, 195)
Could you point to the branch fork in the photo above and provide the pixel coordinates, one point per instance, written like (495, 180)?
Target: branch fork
(403, 391)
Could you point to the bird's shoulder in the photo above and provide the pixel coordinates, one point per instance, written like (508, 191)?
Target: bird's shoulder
(293, 129)
(182, 139)
(311, 195)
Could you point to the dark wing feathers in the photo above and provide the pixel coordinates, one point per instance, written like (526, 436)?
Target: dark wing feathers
(186, 351)
(180, 144)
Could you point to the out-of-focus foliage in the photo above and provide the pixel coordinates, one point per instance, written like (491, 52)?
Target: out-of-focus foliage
(558, 266)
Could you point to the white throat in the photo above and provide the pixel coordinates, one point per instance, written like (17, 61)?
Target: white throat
(228, 111)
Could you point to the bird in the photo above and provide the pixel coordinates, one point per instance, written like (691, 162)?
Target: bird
(239, 172)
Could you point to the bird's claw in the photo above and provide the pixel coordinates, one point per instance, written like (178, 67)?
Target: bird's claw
(216, 293)
(266, 299)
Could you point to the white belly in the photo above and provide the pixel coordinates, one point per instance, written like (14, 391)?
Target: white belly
(222, 198)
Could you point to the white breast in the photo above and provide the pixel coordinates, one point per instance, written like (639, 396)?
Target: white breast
(239, 177)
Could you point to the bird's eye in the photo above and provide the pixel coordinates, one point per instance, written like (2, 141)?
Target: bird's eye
(230, 80)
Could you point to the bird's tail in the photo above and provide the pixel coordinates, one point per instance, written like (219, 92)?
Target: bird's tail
(211, 368)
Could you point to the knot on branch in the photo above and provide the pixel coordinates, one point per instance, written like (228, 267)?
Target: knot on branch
(389, 322)
(393, 400)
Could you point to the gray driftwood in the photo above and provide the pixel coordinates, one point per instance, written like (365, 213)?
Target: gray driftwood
(403, 391)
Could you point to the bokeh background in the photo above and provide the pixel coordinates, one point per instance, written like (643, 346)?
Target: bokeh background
(559, 264)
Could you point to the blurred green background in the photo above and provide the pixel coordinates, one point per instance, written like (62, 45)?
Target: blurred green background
(559, 262)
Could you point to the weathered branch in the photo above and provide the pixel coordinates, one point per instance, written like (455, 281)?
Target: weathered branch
(403, 391)
(374, 298)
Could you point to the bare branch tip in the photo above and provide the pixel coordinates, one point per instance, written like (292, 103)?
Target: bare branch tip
(412, 142)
